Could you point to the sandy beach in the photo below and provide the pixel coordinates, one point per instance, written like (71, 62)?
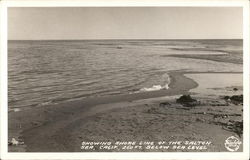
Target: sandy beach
(147, 117)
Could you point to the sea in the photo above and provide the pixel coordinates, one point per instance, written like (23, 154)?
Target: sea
(42, 72)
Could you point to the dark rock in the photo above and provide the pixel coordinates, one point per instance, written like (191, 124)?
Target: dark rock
(187, 100)
(235, 99)
(235, 89)
(226, 97)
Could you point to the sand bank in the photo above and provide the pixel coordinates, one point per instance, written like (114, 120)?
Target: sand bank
(138, 117)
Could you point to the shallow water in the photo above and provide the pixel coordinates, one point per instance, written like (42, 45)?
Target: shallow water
(45, 72)
(217, 84)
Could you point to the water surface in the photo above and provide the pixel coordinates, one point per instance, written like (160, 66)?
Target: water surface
(47, 72)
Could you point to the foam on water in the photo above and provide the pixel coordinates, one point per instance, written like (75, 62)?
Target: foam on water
(154, 88)
(48, 72)
(163, 79)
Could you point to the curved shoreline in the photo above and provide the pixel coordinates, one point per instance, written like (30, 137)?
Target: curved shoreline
(41, 123)
(54, 128)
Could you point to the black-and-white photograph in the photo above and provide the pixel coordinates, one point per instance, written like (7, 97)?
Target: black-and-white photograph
(125, 79)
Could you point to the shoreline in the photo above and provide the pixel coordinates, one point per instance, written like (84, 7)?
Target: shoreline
(16, 128)
(175, 87)
(52, 124)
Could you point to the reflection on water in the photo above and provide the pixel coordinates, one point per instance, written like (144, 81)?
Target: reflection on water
(44, 72)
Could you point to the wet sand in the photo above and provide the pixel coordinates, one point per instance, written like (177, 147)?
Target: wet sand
(228, 56)
(63, 127)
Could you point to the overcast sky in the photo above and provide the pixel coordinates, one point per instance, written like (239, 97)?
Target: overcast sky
(125, 23)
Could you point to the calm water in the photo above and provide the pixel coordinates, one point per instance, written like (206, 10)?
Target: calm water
(45, 72)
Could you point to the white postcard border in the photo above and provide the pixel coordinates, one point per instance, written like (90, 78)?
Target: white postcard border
(119, 155)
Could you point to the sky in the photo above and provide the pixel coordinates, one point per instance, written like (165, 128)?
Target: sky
(48, 23)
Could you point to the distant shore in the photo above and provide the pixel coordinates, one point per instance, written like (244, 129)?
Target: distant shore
(137, 116)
